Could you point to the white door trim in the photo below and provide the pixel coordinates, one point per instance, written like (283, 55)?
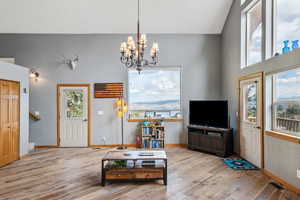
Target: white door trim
(58, 99)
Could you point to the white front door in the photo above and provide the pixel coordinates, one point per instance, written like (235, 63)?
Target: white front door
(250, 119)
(73, 116)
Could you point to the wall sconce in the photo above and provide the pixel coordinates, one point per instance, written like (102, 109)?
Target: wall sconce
(72, 63)
(34, 74)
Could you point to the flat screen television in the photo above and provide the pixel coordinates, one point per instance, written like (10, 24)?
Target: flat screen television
(209, 113)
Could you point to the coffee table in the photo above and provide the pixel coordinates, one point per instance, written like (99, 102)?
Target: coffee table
(134, 166)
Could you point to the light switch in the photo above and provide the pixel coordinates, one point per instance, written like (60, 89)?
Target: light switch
(100, 112)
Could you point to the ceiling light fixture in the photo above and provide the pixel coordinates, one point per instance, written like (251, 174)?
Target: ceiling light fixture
(132, 54)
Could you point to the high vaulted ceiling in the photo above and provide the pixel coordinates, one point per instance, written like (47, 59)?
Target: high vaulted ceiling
(113, 16)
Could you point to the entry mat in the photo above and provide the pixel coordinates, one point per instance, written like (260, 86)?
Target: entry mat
(239, 164)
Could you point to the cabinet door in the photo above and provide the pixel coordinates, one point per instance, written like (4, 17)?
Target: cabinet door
(9, 122)
(194, 139)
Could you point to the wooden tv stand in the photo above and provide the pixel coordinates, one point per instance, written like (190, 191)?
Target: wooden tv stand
(209, 139)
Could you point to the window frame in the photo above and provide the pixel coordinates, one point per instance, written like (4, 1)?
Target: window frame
(179, 68)
(245, 8)
(273, 107)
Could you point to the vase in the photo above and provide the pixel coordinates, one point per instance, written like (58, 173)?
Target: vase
(286, 47)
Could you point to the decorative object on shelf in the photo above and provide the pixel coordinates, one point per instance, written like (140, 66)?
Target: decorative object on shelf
(108, 90)
(286, 47)
(34, 74)
(152, 136)
(277, 54)
(146, 123)
(122, 108)
(132, 54)
(295, 44)
(72, 62)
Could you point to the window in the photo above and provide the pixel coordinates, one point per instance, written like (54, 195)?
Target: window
(287, 22)
(254, 34)
(286, 102)
(251, 33)
(155, 93)
(250, 102)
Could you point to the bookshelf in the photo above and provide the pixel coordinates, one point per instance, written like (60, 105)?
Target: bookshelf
(152, 137)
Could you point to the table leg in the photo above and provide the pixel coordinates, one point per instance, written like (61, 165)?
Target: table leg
(102, 174)
(166, 172)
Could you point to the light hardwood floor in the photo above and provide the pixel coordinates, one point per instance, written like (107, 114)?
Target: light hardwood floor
(71, 173)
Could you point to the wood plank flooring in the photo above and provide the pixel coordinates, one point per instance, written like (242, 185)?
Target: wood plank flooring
(74, 174)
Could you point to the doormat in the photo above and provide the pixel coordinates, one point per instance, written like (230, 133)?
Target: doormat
(239, 164)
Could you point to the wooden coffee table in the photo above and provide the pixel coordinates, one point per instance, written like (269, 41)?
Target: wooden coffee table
(135, 166)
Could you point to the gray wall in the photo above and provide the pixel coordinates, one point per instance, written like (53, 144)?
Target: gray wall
(199, 56)
(281, 157)
(13, 72)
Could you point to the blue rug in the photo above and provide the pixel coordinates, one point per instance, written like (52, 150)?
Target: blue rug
(239, 164)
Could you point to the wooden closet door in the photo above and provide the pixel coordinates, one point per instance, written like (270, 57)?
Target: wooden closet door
(9, 121)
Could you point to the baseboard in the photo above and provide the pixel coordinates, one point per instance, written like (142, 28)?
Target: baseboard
(280, 180)
(46, 146)
(176, 145)
(24, 156)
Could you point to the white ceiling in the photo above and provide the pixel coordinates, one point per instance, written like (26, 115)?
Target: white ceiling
(113, 16)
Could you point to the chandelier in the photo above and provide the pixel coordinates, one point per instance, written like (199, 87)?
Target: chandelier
(132, 53)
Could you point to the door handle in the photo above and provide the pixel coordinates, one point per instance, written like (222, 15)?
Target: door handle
(85, 120)
(258, 127)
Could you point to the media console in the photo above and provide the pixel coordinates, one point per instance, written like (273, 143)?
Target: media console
(210, 139)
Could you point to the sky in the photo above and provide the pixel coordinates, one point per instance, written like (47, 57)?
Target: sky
(288, 85)
(288, 21)
(151, 88)
(255, 43)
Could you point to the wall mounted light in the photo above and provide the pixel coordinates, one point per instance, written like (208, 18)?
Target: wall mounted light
(34, 74)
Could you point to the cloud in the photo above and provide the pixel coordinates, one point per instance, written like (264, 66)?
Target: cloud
(289, 80)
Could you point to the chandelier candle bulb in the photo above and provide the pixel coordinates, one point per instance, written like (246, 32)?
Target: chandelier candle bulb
(155, 46)
(130, 40)
(123, 47)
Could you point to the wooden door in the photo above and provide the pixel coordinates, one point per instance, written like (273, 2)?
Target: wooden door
(73, 116)
(9, 121)
(251, 120)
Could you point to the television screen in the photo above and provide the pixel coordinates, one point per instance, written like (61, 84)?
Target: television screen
(209, 113)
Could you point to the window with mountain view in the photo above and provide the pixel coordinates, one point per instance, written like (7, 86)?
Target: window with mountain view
(286, 105)
(154, 93)
(287, 22)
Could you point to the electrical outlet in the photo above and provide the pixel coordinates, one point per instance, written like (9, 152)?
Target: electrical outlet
(298, 173)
